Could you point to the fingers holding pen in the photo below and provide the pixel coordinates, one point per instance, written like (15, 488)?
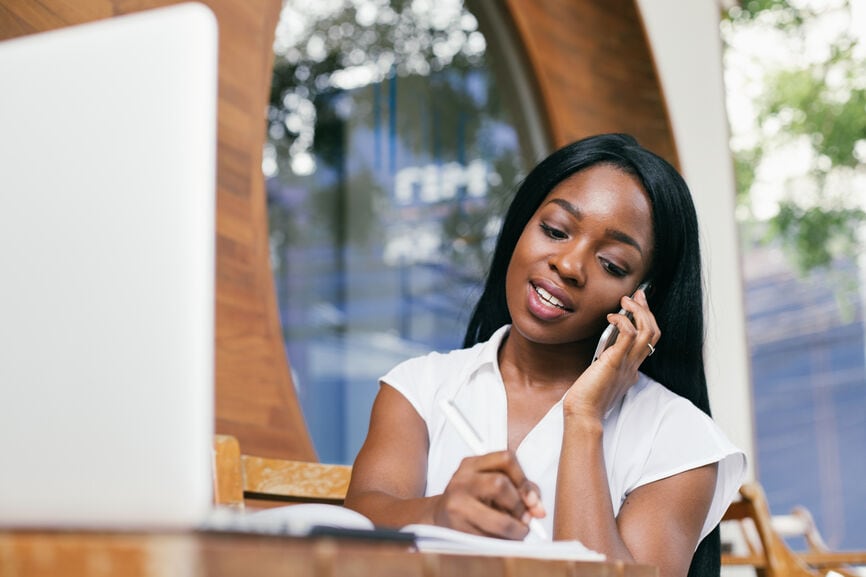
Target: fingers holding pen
(506, 462)
(532, 500)
(490, 495)
(464, 512)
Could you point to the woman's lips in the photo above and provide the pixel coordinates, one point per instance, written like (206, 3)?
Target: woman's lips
(544, 304)
(552, 293)
(545, 295)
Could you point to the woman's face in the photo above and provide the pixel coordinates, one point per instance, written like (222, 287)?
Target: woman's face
(588, 244)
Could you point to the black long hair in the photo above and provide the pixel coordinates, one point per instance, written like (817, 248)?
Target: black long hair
(676, 299)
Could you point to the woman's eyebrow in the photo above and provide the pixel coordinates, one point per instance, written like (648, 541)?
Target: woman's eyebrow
(624, 238)
(568, 207)
(611, 232)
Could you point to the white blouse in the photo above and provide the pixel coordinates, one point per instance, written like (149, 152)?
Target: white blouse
(651, 434)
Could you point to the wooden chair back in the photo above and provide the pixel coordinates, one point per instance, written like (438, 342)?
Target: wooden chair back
(800, 523)
(241, 480)
(765, 548)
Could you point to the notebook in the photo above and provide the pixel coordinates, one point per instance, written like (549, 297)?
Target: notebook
(336, 521)
(107, 234)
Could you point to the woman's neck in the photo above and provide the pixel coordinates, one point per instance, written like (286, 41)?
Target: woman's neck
(526, 363)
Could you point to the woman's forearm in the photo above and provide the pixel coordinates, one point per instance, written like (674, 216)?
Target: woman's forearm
(389, 511)
(583, 506)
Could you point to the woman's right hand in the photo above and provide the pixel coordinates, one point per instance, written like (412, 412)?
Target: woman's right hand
(489, 495)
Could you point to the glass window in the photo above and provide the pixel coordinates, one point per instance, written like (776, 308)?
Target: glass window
(792, 103)
(391, 155)
(806, 342)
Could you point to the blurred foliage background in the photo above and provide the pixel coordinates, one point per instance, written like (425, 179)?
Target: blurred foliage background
(802, 67)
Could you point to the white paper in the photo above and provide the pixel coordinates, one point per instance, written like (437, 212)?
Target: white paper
(435, 539)
(298, 520)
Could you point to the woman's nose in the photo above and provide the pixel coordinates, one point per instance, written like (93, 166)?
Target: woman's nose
(568, 262)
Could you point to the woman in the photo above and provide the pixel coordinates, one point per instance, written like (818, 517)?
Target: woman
(619, 453)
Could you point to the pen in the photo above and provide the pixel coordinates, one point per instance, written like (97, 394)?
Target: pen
(471, 437)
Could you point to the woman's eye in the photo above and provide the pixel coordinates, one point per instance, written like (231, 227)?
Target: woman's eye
(613, 269)
(554, 233)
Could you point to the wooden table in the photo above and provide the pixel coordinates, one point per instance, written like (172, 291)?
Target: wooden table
(73, 554)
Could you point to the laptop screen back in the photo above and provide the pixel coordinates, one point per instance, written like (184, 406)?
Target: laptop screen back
(107, 196)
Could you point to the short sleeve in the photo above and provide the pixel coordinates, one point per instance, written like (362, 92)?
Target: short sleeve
(413, 379)
(424, 379)
(677, 437)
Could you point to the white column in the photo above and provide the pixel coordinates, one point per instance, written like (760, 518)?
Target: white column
(686, 43)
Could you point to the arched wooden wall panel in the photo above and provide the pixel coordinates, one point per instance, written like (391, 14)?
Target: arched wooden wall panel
(255, 398)
(594, 70)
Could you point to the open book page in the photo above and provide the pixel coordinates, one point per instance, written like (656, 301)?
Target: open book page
(304, 516)
(304, 519)
(431, 538)
(294, 520)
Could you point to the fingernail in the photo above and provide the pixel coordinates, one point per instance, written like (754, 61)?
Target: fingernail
(532, 499)
(526, 518)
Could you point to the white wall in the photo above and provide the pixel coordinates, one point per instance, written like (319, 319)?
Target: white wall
(687, 48)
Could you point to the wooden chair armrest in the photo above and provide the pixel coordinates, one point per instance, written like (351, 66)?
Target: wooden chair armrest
(285, 480)
(238, 477)
(832, 558)
(757, 561)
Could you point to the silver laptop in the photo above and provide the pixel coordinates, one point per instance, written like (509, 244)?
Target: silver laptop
(107, 228)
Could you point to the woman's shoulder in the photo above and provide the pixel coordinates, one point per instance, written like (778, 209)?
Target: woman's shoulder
(649, 405)
(429, 370)
(654, 396)
(443, 363)
(437, 359)
(662, 433)
(657, 416)
(424, 378)
(666, 434)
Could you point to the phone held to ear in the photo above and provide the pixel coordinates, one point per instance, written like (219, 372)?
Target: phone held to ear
(608, 337)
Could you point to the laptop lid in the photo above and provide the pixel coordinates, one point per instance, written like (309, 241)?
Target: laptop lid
(107, 234)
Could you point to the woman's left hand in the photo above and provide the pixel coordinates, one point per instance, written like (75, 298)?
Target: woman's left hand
(608, 378)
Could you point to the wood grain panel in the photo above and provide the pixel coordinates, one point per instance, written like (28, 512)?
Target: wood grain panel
(255, 397)
(594, 70)
(18, 17)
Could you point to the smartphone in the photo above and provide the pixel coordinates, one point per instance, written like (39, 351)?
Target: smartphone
(608, 337)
